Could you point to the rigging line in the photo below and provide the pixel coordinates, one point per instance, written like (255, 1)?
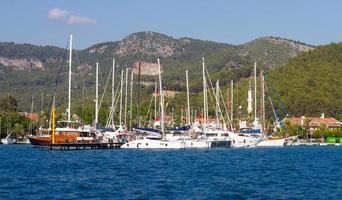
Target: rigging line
(283, 107)
(148, 111)
(84, 91)
(269, 98)
(116, 100)
(82, 74)
(58, 79)
(226, 110)
(105, 88)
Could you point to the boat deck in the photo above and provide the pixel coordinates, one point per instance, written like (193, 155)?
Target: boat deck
(81, 146)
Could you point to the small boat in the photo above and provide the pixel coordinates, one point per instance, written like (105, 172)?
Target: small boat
(244, 140)
(270, 142)
(8, 140)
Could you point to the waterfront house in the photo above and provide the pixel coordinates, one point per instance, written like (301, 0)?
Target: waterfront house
(314, 123)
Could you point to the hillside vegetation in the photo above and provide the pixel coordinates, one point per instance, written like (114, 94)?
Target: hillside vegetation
(311, 83)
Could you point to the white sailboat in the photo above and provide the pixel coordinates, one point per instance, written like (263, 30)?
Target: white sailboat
(269, 141)
(248, 137)
(156, 142)
(8, 139)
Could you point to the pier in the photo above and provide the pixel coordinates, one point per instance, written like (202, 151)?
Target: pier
(81, 146)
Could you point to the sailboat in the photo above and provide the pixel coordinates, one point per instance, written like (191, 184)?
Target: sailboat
(8, 139)
(249, 136)
(150, 141)
(66, 134)
(269, 141)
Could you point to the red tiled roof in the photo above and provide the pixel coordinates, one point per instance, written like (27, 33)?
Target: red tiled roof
(317, 121)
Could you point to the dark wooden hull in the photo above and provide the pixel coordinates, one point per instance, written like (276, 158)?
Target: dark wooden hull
(69, 137)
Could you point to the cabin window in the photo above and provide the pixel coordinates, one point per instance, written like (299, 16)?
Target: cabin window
(165, 144)
(146, 144)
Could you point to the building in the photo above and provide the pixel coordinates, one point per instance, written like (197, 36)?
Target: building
(316, 122)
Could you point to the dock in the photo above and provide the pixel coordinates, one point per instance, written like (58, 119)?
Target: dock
(81, 146)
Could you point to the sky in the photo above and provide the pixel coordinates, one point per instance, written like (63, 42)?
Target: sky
(49, 22)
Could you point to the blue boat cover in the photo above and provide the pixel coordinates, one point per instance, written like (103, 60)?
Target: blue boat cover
(150, 130)
(256, 131)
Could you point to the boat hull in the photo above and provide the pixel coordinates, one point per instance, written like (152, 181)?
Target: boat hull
(8, 141)
(62, 138)
(272, 143)
(153, 144)
(244, 140)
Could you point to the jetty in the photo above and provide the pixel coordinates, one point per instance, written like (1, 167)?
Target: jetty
(81, 146)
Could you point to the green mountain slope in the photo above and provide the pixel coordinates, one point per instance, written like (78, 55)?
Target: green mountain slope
(311, 83)
(29, 70)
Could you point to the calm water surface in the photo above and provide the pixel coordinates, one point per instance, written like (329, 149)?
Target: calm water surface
(265, 173)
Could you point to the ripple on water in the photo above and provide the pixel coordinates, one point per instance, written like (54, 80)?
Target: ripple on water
(265, 173)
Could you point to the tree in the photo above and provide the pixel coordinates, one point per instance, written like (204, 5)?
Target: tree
(8, 104)
(17, 130)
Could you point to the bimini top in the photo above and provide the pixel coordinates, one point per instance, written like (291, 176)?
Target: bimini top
(147, 130)
(182, 128)
(253, 131)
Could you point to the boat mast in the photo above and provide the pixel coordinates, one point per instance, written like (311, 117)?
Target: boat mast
(255, 93)
(138, 97)
(121, 87)
(187, 98)
(113, 92)
(204, 95)
(155, 100)
(217, 102)
(231, 102)
(130, 104)
(96, 96)
(161, 101)
(126, 95)
(69, 88)
(262, 101)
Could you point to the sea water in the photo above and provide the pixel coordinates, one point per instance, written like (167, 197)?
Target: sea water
(254, 173)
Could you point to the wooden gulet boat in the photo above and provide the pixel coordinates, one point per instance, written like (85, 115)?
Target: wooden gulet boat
(59, 135)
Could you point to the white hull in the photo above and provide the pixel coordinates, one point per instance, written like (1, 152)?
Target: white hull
(8, 140)
(196, 144)
(244, 140)
(272, 143)
(154, 144)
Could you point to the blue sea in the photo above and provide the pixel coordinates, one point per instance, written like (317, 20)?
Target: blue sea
(254, 173)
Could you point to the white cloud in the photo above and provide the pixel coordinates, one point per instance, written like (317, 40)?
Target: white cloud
(73, 19)
(58, 13)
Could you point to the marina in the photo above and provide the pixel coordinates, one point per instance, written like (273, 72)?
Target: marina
(168, 100)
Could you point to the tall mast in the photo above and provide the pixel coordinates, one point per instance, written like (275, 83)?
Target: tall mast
(97, 96)
(187, 98)
(130, 103)
(126, 94)
(231, 101)
(249, 98)
(255, 92)
(262, 101)
(113, 92)
(204, 94)
(69, 88)
(121, 87)
(138, 97)
(155, 100)
(217, 102)
(161, 101)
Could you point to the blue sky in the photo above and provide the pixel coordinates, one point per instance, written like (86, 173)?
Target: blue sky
(235, 22)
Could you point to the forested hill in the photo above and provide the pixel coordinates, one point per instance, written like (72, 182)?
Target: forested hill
(311, 83)
(28, 70)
